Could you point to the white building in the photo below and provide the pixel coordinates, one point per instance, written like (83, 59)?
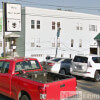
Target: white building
(38, 37)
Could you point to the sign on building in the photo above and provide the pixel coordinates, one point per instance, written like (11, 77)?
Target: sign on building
(13, 17)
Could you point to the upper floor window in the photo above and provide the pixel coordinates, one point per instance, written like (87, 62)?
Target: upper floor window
(58, 24)
(38, 24)
(92, 27)
(53, 25)
(72, 42)
(32, 24)
(79, 27)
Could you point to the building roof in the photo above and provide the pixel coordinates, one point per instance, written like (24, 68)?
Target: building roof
(97, 37)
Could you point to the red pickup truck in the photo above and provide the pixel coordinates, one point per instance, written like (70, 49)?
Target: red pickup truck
(24, 79)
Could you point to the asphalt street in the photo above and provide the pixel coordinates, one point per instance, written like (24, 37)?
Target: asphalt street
(89, 90)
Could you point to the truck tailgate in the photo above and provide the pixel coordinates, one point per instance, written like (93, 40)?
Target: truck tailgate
(55, 89)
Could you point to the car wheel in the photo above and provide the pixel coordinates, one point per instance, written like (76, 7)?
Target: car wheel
(97, 76)
(62, 71)
(24, 97)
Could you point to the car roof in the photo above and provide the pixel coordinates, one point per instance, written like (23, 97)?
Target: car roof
(88, 55)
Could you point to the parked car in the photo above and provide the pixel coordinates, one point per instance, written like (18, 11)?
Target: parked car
(24, 79)
(58, 65)
(86, 66)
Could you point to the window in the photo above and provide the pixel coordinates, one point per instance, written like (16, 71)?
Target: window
(67, 61)
(0, 43)
(32, 24)
(56, 59)
(72, 43)
(92, 27)
(80, 59)
(53, 25)
(27, 65)
(53, 44)
(4, 66)
(58, 44)
(38, 24)
(80, 43)
(32, 44)
(79, 27)
(58, 24)
(96, 59)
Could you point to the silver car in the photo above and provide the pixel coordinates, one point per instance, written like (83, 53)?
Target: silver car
(58, 65)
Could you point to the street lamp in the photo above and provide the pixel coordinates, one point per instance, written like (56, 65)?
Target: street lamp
(58, 34)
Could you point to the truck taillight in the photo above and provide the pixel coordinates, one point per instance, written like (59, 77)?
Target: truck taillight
(51, 64)
(43, 92)
(42, 89)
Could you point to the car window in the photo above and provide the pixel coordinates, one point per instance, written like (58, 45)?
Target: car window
(27, 65)
(67, 61)
(96, 59)
(4, 67)
(80, 59)
(57, 59)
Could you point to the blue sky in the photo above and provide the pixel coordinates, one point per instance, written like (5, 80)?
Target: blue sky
(83, 6)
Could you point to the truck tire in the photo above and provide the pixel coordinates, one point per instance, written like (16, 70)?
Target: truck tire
(24, 97)
(62, 71)
(97, 76)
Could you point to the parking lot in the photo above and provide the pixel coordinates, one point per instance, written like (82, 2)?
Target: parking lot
(90, 90)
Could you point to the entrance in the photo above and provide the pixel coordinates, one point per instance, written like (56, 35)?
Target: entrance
(93, 50)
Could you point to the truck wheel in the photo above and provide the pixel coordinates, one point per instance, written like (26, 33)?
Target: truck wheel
(62, 71)
(25, 97)
(97, 76)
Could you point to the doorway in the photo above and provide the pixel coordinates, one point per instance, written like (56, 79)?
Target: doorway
(93, 50)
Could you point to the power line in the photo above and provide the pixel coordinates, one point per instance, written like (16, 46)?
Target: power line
(73, 7)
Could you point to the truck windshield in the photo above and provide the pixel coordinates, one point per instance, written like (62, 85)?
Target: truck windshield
(27, 65)
(96, 59)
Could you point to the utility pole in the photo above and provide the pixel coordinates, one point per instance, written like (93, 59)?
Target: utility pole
(58, 34)
(3, 8)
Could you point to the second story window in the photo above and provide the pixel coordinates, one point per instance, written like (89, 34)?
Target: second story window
(32, 24)
(38, 24)
(92, 27)
(58, 24)
(79, 27)
(53, 25)
(72, 42)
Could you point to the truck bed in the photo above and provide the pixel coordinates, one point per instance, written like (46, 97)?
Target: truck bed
(44, 77)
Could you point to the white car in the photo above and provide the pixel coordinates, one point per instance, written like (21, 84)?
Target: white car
(86, 66)
(58, 65)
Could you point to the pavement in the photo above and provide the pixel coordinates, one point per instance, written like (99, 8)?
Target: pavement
(89, 90)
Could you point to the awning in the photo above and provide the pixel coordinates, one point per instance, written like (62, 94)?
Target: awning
(12, 35)
(97, 37)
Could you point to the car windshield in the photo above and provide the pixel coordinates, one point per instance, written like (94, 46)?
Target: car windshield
(80, 59)
(96, 59)
(56, 59)
(27, 65)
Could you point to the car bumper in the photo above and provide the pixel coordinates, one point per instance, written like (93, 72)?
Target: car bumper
(84, 74)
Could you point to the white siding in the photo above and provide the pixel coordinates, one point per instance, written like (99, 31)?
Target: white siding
(45, 36)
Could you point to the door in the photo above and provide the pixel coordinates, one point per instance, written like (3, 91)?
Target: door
(4, 78)
(65, 64)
